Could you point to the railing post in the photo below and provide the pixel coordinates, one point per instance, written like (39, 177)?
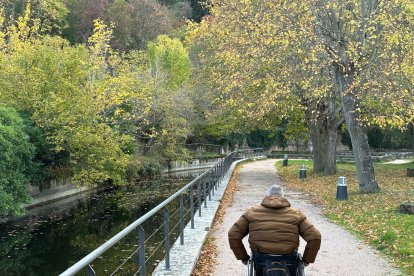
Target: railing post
(199, 196)
(219, 171)
(141, 251)
(167, 239)
(213, 181)
(90, 271)
(181, 220)
(216, 178)
(205, 194)
(210, 180)
(209, 190)
(192, 207)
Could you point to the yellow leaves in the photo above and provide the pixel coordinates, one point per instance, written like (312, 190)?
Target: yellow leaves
(208, 255)
(22, 31)
(99, 41)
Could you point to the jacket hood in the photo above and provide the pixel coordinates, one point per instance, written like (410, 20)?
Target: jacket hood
(276, 202)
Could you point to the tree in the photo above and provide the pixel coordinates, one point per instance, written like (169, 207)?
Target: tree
(152, 19)
(67, 91)
(51, 13)
(357, 37)
(16, 155)
(263, 72)
(332, 56)
(168, 62)
(169, 71)
(81, 18)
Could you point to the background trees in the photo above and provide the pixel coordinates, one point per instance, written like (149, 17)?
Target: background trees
(354, 35)
(99, 97)
(51, 14)
(135, 22)
(323, 61)
(92, 103)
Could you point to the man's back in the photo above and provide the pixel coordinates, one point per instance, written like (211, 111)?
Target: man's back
(274, 227)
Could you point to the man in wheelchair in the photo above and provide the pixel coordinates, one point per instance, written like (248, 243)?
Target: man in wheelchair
(274, 228)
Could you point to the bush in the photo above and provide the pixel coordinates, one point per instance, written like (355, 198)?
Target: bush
(142, 167)
(16, 165)
(44, 157)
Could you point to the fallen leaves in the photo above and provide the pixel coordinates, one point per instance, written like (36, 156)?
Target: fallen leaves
(208, 255)
(373, 217)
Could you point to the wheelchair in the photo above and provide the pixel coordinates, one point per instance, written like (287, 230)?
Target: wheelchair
(275, 266)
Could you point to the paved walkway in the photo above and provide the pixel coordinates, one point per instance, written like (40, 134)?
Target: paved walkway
(340, 253)
(184, 257)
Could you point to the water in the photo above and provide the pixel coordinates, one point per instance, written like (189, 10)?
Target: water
(52, 238)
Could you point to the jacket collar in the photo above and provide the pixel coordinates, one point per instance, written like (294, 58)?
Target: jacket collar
(276, 202)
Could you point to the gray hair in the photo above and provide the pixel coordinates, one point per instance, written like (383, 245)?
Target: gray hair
(275, 190)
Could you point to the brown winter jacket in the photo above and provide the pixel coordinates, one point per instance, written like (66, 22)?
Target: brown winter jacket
(274, 227)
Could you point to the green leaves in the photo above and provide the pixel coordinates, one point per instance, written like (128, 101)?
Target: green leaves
(66, 90)
(171, 108)
(91, 101)
(169, 61)
(16, 155)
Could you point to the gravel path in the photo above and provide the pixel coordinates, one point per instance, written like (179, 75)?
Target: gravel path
(340, 253)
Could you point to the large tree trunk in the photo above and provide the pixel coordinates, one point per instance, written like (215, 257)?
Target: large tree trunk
(412, 137)
(359, 139)
(324, 148)
(323, 119)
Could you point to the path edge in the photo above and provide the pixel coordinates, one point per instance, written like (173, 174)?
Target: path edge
(183, 258)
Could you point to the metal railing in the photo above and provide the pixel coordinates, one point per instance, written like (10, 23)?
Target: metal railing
(191, 197)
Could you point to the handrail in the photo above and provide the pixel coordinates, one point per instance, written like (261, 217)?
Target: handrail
(219, 170)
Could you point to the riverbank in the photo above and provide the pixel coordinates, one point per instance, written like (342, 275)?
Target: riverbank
(51, 237)
(57, 190)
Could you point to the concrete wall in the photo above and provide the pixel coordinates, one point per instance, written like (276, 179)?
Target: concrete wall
(308, 147)
(52, 190)
(57, 189)
(195, 164)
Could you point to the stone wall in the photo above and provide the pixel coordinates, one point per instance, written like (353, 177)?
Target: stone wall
(53, 190)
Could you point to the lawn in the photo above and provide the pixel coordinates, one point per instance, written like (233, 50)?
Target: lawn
(373, 218)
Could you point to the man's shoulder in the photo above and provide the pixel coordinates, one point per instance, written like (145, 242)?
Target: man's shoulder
(297, 213)
(293, 209)
(254, 208)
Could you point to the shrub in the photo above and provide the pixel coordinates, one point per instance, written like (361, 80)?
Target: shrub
(16, 155)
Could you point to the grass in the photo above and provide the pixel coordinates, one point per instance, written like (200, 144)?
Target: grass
(371, 217)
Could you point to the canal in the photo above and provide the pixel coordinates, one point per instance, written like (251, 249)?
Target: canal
(51, 238)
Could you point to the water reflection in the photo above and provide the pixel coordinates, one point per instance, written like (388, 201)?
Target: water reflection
(51, 238)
